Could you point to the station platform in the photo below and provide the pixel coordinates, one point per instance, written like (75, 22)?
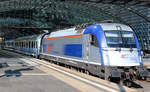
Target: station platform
(20, 73)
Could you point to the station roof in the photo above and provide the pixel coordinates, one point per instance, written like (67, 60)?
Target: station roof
(28, 17)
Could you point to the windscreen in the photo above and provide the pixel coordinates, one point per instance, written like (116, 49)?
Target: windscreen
(122, 39)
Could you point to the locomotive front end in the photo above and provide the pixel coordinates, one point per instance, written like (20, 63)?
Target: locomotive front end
(122, 55)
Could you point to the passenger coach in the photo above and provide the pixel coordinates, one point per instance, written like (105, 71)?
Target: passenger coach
(29, 45)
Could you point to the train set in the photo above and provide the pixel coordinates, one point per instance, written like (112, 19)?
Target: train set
(108, 50)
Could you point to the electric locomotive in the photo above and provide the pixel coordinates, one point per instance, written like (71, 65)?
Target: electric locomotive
(109, 50)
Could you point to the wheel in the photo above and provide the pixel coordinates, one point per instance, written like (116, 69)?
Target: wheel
(127, 83)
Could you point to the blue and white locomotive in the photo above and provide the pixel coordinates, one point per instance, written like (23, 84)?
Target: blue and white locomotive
(109, 50)
(106, 49)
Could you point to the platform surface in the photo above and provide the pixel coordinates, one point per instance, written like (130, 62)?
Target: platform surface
(20, 73)
(19, 76)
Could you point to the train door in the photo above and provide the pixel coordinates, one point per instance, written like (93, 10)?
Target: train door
(94, 55)
(86, 40)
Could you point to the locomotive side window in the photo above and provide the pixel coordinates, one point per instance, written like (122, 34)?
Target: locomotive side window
(94, 40)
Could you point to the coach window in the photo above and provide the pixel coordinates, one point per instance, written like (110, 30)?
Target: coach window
(20, 44)
(94, 41)
(32, 44)
(23, 44)
(26, 44)
(35, 44)
(16, 44)
(29, 44)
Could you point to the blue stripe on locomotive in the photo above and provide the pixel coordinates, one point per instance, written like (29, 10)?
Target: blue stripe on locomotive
(99, 33)
(44, 48)
(139, 52)
(73, 50)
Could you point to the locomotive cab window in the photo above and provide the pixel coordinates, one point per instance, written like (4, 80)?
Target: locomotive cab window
(121, 39)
